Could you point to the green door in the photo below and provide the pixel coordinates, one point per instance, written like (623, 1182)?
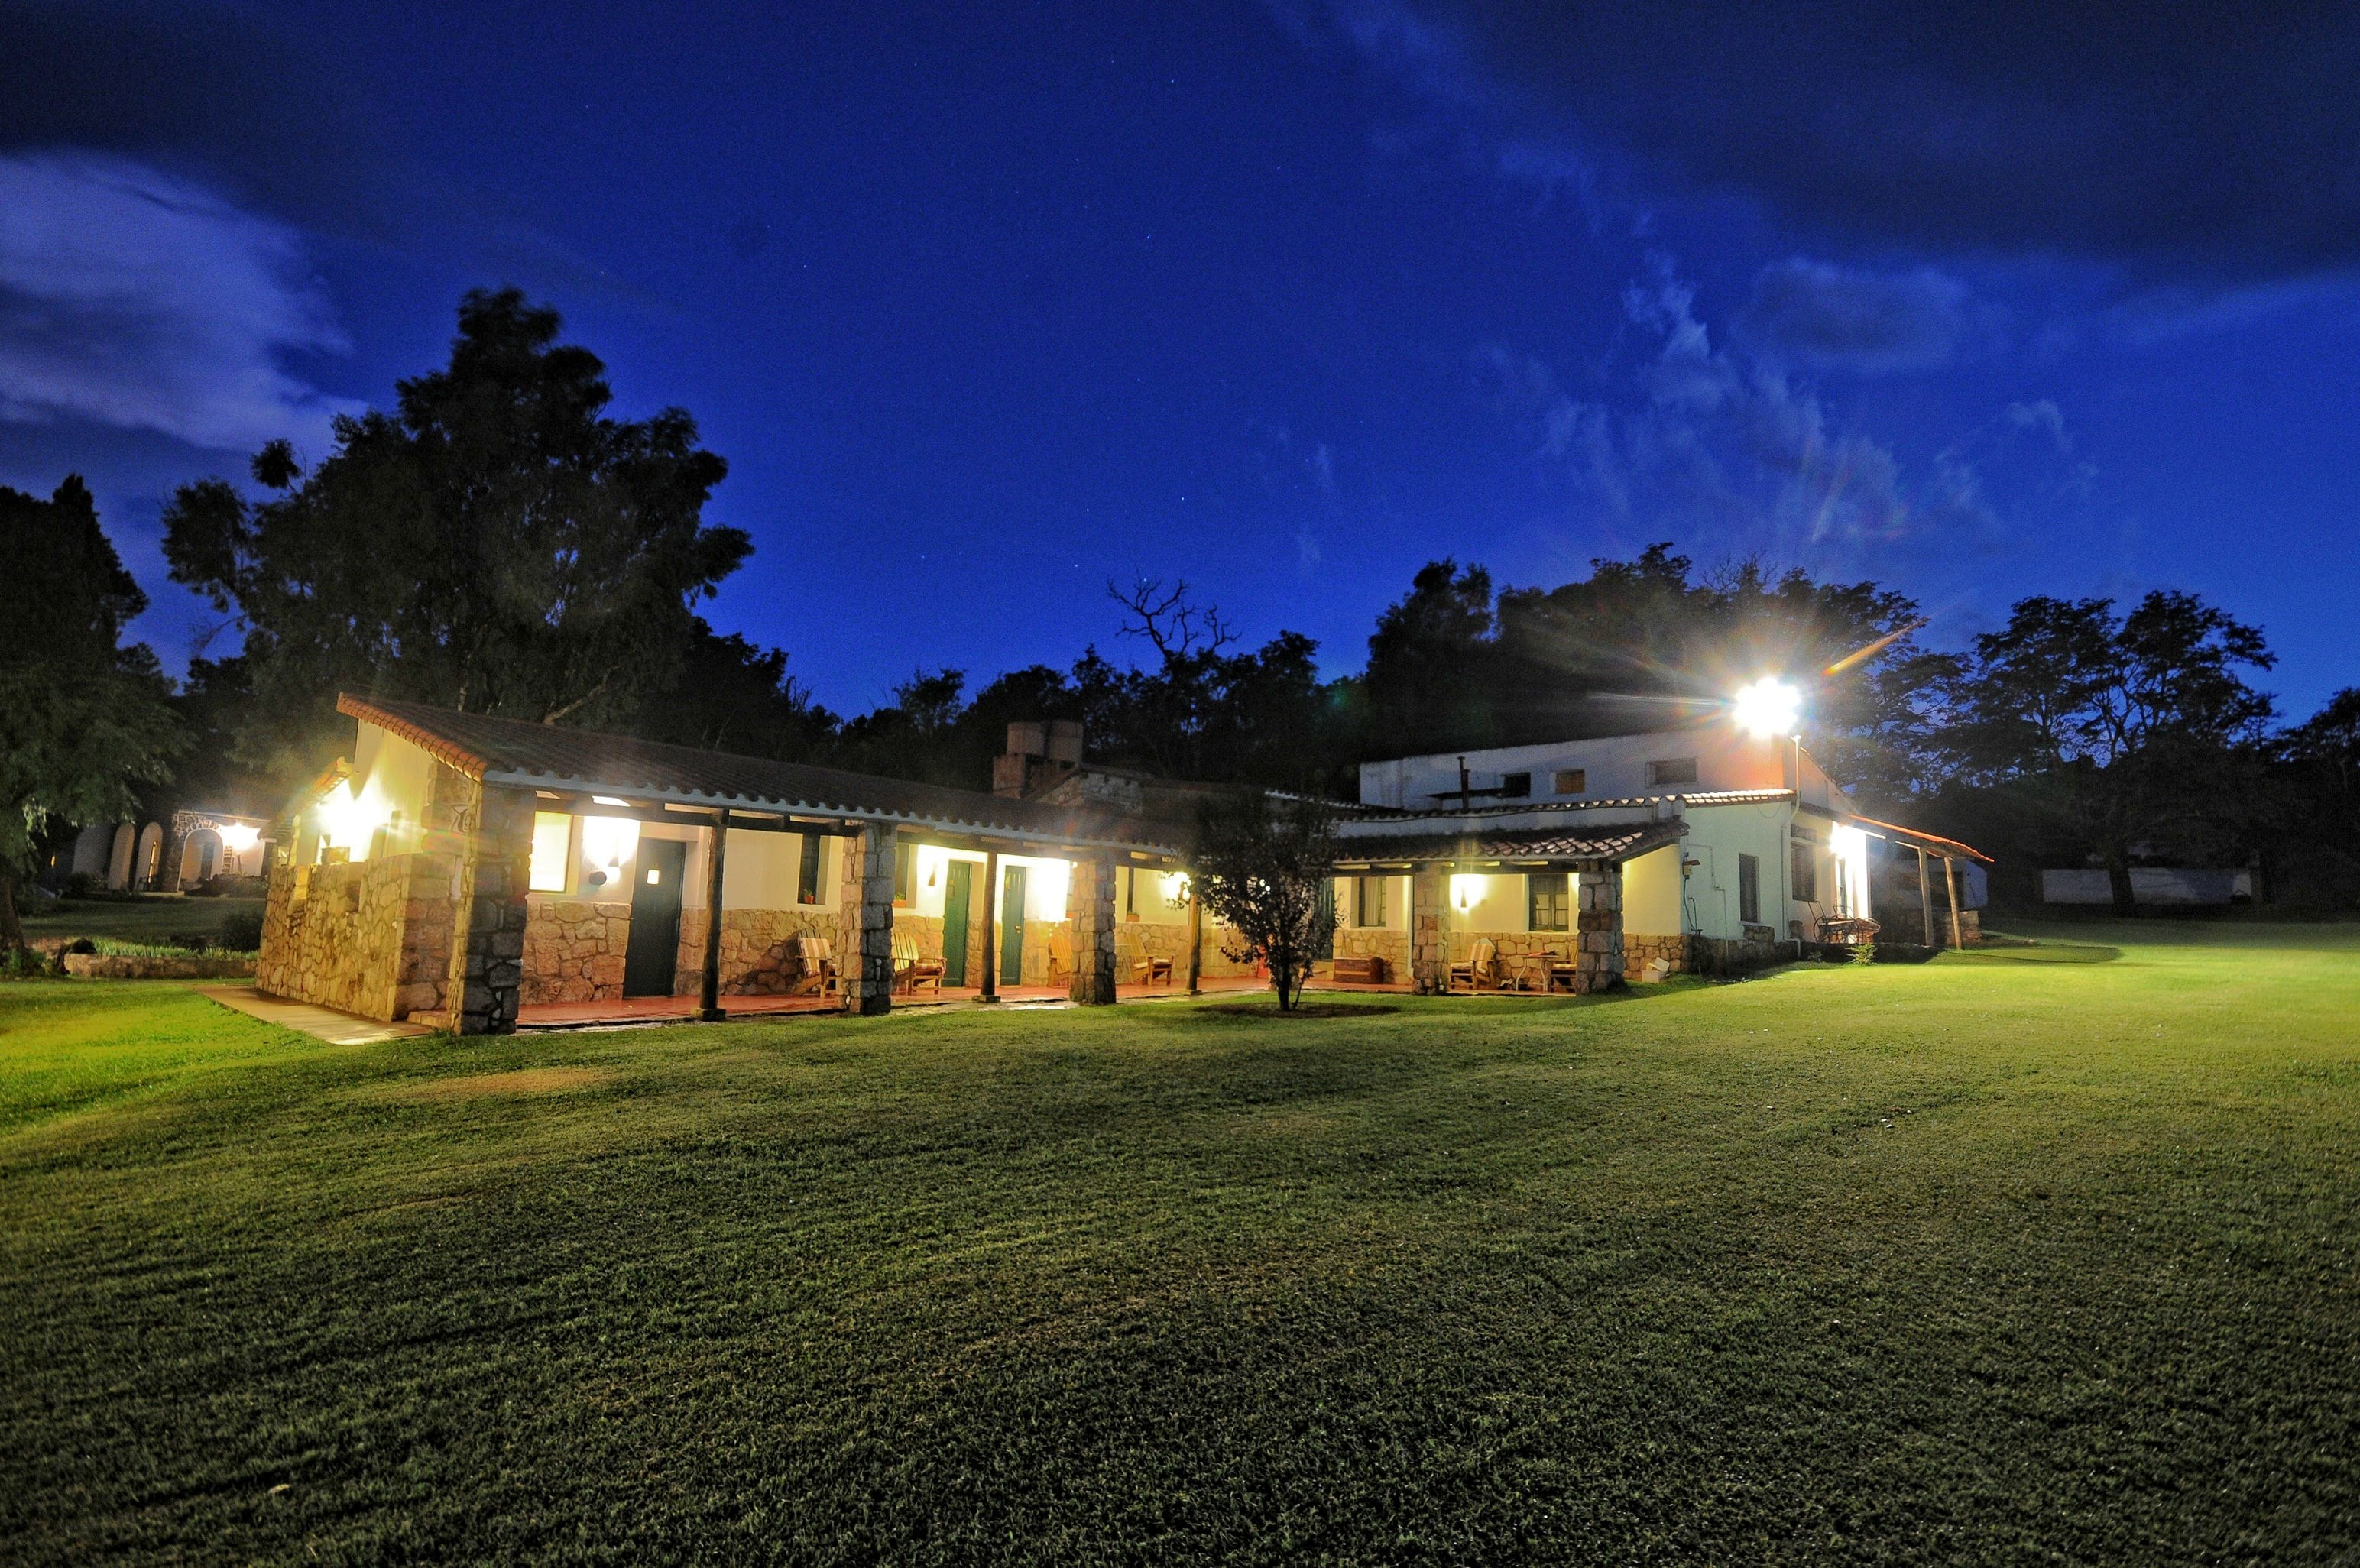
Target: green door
(651, 952)
(1011, 927)
(956, 885)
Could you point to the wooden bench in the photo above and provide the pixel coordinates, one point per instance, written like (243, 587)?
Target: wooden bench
(1152, 971)
(1360, 972)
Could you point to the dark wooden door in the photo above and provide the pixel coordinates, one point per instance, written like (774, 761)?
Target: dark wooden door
(1011, 927)
(652, 958)
(958, 879)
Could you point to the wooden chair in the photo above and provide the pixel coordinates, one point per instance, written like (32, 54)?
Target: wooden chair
(1152, 971)
(1558, 972)
(1481, 970)
(814, 965)
(912, 969)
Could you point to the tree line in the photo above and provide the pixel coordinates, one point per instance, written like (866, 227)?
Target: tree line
(497, 541)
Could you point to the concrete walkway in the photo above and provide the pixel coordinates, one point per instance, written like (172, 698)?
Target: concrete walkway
(322, 1023)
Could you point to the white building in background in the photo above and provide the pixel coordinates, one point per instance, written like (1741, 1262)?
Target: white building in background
(1716, 846)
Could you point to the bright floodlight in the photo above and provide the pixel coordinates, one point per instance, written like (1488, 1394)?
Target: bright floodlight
(1768, 707)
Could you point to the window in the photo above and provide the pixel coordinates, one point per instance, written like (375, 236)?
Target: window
(552, 846)
(1749, 889)
(1573, 782)
(1515, 786)
(1672, 770)
(1549, 901)
(807, 873)
(1368, 901)
(905, 867)
(1806, 876)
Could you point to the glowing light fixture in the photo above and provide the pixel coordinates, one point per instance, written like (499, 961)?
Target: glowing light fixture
(238, 838)
(1768, 707)
(1463, 890)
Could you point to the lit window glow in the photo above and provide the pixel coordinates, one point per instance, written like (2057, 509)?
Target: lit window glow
(1768, 707)
(552, 834)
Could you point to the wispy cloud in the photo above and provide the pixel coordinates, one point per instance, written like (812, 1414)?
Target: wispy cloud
(1716, 443)
(139, 300)
(1866, 322)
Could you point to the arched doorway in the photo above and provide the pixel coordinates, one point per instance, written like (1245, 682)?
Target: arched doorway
(201, 855)
(149, 861)
(118, 864)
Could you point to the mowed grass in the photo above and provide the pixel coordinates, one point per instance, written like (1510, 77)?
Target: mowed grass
(1999, 1258)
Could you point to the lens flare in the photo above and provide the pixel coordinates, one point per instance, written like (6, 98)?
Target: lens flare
(1768, 707)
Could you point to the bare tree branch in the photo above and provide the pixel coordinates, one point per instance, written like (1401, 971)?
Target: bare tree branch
(1171, 623)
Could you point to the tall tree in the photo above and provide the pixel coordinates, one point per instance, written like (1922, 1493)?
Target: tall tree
(730, 695)
(2136, 731)
(497, 542)
(1432, 674)
(84, 721)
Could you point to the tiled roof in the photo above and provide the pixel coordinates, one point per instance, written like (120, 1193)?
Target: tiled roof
(548, 757)
(1609, 844)
(1620, 802)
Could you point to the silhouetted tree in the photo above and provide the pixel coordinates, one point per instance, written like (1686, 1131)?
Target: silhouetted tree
(2133, 732)
(84, 720)
(496, 543)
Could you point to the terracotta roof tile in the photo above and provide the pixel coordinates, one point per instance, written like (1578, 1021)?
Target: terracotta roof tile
(514, 752)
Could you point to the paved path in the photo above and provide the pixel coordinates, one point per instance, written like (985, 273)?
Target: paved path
(326, 1023)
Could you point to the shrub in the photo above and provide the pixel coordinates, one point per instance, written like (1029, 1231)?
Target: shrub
(240, 932)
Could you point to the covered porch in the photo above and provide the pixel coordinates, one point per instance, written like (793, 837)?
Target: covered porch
(478, 874)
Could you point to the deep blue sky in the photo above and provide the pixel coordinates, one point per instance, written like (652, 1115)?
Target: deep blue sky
(988, 305)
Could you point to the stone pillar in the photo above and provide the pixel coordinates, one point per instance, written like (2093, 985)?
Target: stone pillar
(1429, 891)
(487, 934)
(1089, 915)
(1598, 964)
(864, 922)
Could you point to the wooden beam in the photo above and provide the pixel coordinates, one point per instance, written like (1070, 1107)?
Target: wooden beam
(709, 987)
(1926, 898)
(990, 992)
(1195, 937)
(1950, 876)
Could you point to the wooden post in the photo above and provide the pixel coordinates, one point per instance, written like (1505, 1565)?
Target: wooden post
(1195, 937)
(1950, 876)
(990, 927)
(1926, 900)
(708, 989)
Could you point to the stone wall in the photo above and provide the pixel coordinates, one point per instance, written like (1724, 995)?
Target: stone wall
(1136, 940)
(1701, 955)
(759, 956)
(371, 938)
(1639, 951)
(486, 973)
(1428, 953)
(1376, 942)
(573, 949)
(864, 910)
(1089, 918)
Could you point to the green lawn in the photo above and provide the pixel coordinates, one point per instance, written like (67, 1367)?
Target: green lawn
(2000, 1258)
(151, 917)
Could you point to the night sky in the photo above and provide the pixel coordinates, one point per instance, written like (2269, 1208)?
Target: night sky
(988, 305)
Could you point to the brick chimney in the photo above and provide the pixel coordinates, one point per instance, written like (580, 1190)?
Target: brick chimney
(1040, 752)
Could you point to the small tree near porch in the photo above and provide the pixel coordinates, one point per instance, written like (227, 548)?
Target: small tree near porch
(1262, 867)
